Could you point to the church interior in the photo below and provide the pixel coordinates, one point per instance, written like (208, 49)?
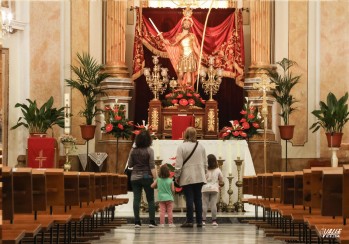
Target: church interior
(81, 79)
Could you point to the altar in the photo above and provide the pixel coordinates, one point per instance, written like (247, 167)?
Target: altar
(227, 150)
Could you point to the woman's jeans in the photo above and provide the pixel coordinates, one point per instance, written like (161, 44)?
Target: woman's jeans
(137, 186)
(192, 195)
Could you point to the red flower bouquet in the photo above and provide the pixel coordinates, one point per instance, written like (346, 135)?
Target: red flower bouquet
(247, 126)
(116, 123)
(183, 97)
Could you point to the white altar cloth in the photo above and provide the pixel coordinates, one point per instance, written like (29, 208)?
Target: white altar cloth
(228, 150)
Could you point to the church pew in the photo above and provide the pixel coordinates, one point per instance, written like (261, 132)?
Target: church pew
(12, 236)
(45, 194)
(334, 193)
(298, 188)
(325, 191)
(18, 185)
(309, 176)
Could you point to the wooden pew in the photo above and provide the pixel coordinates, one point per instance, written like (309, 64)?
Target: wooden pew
(18, 198)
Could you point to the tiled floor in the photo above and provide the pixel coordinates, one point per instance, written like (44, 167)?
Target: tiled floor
(224, 233)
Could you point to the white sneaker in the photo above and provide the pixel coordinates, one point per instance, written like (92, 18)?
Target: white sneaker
(172, 225)
(203, 223)
(161, 225)
(214, 223)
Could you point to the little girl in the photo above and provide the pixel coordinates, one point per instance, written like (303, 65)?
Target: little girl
(210, 190)
(165, 187)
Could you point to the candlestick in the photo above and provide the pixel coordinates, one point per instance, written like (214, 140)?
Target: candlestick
(239, 206)
(221, 205)
(230, 207)
(158, 163)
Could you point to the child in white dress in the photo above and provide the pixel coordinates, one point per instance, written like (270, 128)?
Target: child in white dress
(210, 190)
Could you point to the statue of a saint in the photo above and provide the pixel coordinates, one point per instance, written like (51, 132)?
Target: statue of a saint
(184, 52)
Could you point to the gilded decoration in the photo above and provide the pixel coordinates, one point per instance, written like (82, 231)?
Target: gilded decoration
(210, 120)
(198, 123)
(155, 119)
(168, 122)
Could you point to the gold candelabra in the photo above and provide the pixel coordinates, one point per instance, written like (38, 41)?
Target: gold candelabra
(230, 206)
(239, 206)
(221, 206)
(214, 78)
(156, 84)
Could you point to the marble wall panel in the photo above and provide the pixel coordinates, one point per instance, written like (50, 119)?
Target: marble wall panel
(298, 51)
(334, 56)
(45, 51)
(79, 44)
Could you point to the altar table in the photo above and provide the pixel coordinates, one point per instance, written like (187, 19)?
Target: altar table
(227, 150)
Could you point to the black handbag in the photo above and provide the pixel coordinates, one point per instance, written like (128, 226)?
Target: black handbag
(174, 179)
(128, 172)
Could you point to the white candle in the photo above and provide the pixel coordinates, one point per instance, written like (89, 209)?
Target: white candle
(116, 101)
(238, 150)
(67, 113)
(229, 157)
(157, 149)
(220, 142)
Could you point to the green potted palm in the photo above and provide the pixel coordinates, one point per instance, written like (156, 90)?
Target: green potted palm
(39, 119)
(89, 76)
(284, 81)
(332, 116)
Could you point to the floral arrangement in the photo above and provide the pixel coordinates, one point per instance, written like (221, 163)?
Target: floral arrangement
(247, 126)
(184, 97)
(67, 138)
(116, 123)
(144, 126)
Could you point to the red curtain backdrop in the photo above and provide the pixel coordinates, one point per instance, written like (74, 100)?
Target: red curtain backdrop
(223, 39)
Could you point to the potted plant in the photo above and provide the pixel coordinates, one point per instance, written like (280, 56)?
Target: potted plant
(284, 82)
(39, 120)
(89, 75)
(332, 116)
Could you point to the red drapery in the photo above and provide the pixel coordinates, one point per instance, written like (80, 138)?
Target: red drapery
(224, 39)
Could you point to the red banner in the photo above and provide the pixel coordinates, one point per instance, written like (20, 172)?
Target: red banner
(41, 152)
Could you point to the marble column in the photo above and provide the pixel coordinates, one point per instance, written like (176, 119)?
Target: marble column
(115, 38)
(119, 86)
(261, 21)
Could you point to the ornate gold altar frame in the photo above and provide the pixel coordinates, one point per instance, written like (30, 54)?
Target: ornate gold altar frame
(206, 119)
